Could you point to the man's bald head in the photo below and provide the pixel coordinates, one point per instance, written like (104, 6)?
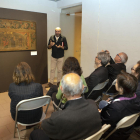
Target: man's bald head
(72, 84)
(57, 31)
(124, 57)
(58, 28)
(121, 58)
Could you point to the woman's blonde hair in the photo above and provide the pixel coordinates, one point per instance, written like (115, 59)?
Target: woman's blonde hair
(23, 73)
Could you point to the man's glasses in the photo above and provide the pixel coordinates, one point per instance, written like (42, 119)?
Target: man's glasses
(132, 69)
(119, 56)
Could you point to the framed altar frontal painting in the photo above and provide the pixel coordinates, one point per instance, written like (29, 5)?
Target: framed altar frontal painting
(16, 35)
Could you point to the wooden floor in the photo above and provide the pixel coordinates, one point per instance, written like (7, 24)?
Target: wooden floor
(7, 123)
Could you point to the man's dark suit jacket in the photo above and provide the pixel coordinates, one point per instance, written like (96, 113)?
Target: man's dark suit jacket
(98, 76)
(77, 121)
(113, 70)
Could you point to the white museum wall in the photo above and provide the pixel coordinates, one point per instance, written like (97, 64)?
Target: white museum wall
(41, 6)
(67, 24)
(110, 25)
(118, 28)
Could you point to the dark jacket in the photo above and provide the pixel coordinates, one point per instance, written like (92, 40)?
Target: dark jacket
(20, 92)
(137, 124)
(58, 52)
(76, 122)
(138, 88)
(98, 76)
(117, 110)
(113, 70)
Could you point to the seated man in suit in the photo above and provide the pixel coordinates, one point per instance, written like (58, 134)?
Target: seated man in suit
(115, 68)
(98, 76)
(76, 121)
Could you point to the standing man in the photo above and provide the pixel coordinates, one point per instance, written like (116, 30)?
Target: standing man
(58, 44)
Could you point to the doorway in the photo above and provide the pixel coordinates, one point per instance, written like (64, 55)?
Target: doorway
(70, 23)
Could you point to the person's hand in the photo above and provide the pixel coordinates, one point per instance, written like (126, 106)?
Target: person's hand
(108, 99)
(52, 43)
(99, 110)
(107, 51)
(58, 46)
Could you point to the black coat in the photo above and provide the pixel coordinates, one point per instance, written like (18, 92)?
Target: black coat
(20, 92)
(58, 52)
(98, 76)
(115, 111)
(113, 70)
(76, 122)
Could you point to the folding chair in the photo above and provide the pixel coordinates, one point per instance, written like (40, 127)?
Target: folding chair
(125, 122)
(98, 134)
(99, 87)
(31, 104)
(56, 108)
(113, 83)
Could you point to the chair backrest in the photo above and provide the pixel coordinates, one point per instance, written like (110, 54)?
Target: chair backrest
(34, 103)
(113, 83)
(101, 85)
(98, 134)
(124, 122)
(127, 121)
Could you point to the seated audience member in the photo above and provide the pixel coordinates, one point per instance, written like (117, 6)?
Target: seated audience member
(77, 120)
(71, 64)
(135, 70)
(24, 87)
(115, 68)
(99, 75)
(124, 104)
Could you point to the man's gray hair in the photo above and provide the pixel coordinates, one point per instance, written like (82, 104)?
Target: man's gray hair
(71, 89)
(104, 57)
(124, 57)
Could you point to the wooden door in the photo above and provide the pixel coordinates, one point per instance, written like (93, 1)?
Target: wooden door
(77, 36)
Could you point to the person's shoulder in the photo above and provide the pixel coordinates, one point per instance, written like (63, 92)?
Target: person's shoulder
(52, 36)
(61, 114)
(12, 85)
(82, 77)
(36, 84)
(118, 105)
(111, 66)
(91, 102)
(101, 70)
(63, 36)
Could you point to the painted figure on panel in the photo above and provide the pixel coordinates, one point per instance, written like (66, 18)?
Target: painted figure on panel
(17, 35)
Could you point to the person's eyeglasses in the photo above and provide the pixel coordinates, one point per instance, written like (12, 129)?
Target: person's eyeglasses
(119, 56)
(132, 69)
